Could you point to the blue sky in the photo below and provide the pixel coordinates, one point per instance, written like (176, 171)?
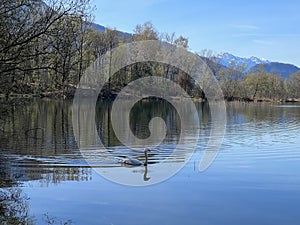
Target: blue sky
(267, 29)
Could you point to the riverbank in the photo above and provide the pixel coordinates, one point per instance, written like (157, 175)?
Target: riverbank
(105, 95)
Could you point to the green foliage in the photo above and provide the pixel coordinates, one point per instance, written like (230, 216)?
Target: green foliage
(263, 86)
(292, 86)
(46, 48)
(41, 46)
(145, 31)
(230, 80)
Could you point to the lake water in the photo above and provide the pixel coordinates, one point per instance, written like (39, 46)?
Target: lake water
(44, 178)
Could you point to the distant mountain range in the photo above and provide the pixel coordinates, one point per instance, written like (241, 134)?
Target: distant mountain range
(254, 63)
(282, 69)
(225, 59)
(102, 29)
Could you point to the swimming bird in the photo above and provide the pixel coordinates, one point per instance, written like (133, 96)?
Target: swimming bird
(135, 162)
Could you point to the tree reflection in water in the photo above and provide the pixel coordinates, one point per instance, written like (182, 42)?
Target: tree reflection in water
(14, 207)
(49, 220)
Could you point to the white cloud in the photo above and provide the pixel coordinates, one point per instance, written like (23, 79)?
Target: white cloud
(244, 27)
(263, 42)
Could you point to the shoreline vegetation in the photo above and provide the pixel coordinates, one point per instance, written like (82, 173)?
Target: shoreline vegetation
(59, 95)
(46, 56)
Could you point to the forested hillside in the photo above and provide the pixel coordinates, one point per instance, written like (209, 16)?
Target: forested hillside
(45, 47)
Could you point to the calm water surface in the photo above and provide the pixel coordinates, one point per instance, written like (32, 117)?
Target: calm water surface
(254, 180)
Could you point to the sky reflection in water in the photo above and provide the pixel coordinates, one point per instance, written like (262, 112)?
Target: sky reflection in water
(254, 180)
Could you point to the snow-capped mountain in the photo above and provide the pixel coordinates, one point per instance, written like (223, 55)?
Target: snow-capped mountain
(253, 64)
(226, 59)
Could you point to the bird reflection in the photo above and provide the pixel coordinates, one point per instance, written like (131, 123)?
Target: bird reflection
(146, 178)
